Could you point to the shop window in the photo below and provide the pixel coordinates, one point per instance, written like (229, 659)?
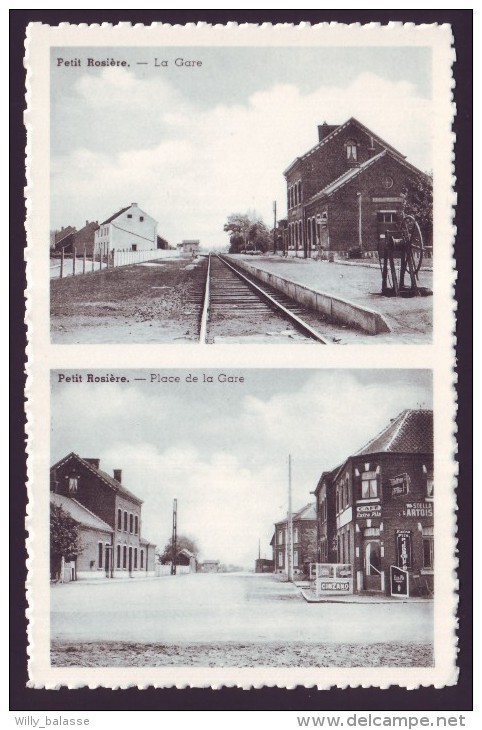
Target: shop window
(119, 519)
(369, 488)
(136, 525)
(428, 548)
(351, 150)
(100, 555)
(125, 521)
(118, 556)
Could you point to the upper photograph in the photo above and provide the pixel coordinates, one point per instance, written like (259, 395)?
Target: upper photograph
(258, 195)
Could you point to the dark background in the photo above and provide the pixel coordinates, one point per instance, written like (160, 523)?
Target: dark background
(457, 698)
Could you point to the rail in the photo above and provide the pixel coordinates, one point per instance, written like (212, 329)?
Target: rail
(301, 324)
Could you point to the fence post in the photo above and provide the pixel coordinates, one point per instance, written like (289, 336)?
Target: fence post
(62, 264)
(73, 260)
(85, 261)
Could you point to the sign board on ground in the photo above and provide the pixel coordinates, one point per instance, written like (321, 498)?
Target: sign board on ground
(399, 582)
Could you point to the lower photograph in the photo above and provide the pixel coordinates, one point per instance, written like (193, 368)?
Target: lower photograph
(224, 522)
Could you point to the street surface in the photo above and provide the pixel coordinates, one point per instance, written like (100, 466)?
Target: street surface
(248, 614)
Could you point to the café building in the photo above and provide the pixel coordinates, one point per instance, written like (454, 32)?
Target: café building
(383, 508)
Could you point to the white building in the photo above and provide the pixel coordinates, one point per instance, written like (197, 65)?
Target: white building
(130, 229)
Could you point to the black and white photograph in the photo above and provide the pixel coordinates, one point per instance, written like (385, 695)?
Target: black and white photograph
(228, 515)
(242, 518)
(195, 201)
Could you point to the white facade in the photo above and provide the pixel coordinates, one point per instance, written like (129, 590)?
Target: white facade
(132, 229)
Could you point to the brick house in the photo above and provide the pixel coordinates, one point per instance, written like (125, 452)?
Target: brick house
(129, 229)
(382, 500)
(82, 487)
(325, 518)
(304, 541)
(345, 191)
(82, 240)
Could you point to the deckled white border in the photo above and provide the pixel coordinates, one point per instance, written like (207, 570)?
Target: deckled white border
(42, 356)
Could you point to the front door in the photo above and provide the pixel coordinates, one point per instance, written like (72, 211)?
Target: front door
(373, 565)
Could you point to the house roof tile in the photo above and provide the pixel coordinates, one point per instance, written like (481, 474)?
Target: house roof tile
(410, 432)
(106, 478)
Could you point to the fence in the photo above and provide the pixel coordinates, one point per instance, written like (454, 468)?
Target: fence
(80, 263)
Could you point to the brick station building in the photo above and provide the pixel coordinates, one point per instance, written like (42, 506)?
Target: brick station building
(376, 509)
(109, 519)
(345, 192)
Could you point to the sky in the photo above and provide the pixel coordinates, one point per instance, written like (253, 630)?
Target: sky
(192, 145)
(221, 449)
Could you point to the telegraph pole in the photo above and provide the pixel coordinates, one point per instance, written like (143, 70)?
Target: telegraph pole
(274, 227)
(289, 546)
(174, 538)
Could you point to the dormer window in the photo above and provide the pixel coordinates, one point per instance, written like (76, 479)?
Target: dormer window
(351, 150)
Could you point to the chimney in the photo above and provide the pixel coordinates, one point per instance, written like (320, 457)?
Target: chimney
(134, 205)
(93, 462)
(86, 223)
(324, 130)
(118, 475)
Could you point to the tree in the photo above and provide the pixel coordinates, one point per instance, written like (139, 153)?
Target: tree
(418, 194)
(65, 542)
(182, 543)
(247, 232)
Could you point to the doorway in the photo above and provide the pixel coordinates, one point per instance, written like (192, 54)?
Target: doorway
(373, 566)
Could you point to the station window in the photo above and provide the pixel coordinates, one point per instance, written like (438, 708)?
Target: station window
(369, 486)
(296, 559)
(118, 556)
(125, 521)
(136, 525)
(135, 558)
(141, 218)
(129, 215)
(142, 559)
(131, 523)
(100, 555)
(351, 150)
(280, 559)
(280, 537)
(296, 536)
(119, 519)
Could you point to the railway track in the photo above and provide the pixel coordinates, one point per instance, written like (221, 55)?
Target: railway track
(235, 306)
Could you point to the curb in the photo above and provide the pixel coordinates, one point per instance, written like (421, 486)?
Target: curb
(359, 600)
(336, 308)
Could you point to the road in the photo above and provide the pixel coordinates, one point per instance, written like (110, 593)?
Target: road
(246, 610)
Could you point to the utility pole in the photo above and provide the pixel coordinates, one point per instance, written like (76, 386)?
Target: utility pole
(174, 538)
(289, 541)
(274, 226)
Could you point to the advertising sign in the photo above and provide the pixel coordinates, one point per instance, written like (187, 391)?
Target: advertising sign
(398, 582)
(367, 511)
(330, 586)
(404, 549)
(400, 485)
(418, 509)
